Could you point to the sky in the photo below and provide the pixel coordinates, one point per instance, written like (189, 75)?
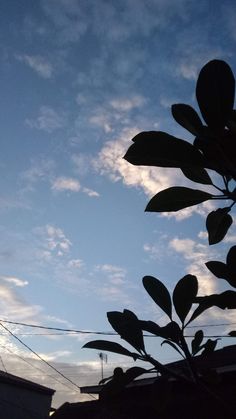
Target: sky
(80, 78)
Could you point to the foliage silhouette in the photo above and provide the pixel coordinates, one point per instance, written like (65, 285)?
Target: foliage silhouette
(214, 148)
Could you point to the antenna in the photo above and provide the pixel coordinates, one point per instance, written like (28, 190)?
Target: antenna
(103, 358)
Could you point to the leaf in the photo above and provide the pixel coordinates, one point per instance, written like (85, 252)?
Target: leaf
(219, 269)
(196, 342)
(133, 373)
(105, 345)
(232, 333)
(159, 293)
(231, 259)
(217, 224)
(184, 294)
(209, 346)
(226, 271)
(172, 345)
(126, 324)
(157, 148)
(170, 331)
(176, 198)
(187, 117)
(225, 300)
(197, 174)
(215, 93)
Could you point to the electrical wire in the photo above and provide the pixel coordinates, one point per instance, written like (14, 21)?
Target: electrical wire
(39, 357)
(109, 333)
(34, 366)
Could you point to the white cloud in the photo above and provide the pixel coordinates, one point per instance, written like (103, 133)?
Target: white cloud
(90, 192)
(125, 105)
(48, 120)
(101, 120)
(38, 63)
(196, 254)
(66, 184)
(53, 241)
(151, 180)
(75, 263)
(13, 280)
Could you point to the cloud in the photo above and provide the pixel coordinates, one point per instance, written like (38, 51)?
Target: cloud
(75, 263)
(54, 241)
(90, 192)
(125, 105)
(66, 184)
(38, 63)
(102, 120)
(13, 280)
(196, 254)
(12, 305)
(48, 120)
(151, 180)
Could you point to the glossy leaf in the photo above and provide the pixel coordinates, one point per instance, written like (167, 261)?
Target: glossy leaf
(215, 93)
(159, 293)
(184, 295)
(126, 324)
(105, 345)
(187, 117)
(197, 174)
(176, 198)
(217, 224)
(196, 342)
(157, 148)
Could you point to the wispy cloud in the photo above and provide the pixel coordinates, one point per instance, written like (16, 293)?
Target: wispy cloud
(66, 184)
(54, 241)
(48, 120)
(14, 281)
(127, 104)
(38, 63)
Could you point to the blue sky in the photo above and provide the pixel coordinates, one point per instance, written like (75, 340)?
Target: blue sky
(78, 80)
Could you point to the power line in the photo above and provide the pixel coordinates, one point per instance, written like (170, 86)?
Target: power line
(93, 332)
(39, 357)
(34, 366)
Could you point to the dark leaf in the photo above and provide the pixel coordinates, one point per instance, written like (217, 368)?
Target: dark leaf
(231, 266)
(172, 345)
(232, 333)
(225, 300)
(170, 331)
(231, 124)
(176, 198)
(133, 373)
(219, 269)
(197, 174)
(217, 224)
(209, 346)
(126, 324)
(184, 295)
(159, 293)
(105, 345)
(231, 258)
(196, 342)
(157, 148)
(215, 94)
(187, 117)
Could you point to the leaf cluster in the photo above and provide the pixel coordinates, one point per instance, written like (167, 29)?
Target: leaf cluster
(214, 149)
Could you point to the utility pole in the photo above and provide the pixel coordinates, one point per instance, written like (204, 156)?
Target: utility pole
(103, 358)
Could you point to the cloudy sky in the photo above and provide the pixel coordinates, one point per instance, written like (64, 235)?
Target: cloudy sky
(79, 78)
